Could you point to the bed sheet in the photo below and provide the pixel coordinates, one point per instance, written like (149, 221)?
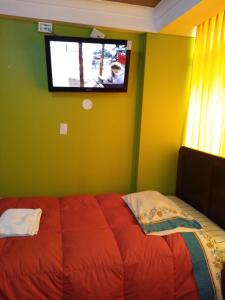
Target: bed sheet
(216, 233)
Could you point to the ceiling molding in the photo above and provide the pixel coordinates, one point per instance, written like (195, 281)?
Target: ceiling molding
(100, 13)
(84, 12)
(168, 11)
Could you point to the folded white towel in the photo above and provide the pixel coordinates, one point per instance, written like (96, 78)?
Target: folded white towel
(20, 222)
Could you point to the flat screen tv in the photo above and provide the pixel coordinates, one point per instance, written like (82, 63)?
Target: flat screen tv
(87, 64)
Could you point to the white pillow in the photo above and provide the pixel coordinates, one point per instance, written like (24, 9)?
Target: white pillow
(158, 215)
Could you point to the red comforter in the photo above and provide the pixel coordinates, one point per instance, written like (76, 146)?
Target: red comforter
(92, 248)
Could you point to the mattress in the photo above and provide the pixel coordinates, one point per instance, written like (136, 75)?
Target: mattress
(215, 232)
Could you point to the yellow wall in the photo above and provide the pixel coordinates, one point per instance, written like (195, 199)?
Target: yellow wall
(99, 153)
(167, 66)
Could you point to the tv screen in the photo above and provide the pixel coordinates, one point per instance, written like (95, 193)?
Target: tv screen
(87, 64)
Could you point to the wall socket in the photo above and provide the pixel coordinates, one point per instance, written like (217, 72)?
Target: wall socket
(63, 128)
(45, 27)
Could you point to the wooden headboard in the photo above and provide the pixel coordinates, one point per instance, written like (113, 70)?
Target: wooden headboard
(201, 183)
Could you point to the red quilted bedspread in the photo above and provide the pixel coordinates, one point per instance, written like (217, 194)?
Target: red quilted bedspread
(92, 248)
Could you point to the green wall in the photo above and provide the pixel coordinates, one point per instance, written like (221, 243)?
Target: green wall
(103, 147)
(99, 153)
(165, 95)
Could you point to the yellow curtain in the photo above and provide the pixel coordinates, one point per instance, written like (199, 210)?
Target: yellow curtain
(205, 128)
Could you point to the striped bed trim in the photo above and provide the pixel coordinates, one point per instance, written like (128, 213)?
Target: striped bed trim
(216, 232)
(201, 269)
(167, 224)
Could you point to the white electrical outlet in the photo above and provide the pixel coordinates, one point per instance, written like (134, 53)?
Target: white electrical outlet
(45, 27)
(63, 129)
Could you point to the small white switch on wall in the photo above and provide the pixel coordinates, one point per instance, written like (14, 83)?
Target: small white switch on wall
(63, 129)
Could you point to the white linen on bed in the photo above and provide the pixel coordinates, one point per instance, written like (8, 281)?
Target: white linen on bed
(20, 222)
(158, 215)
(213, 259)
(216, 233)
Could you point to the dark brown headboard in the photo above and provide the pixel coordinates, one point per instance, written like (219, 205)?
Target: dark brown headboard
(201, 183)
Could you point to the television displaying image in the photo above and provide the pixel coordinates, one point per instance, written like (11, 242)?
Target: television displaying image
(87, 64)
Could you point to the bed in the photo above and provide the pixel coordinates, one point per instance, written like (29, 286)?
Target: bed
(92, 247)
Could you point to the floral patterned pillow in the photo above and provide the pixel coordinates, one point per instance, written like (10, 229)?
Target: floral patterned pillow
(158, 215)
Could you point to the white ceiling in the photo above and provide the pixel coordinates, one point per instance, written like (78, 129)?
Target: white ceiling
(100, 13)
